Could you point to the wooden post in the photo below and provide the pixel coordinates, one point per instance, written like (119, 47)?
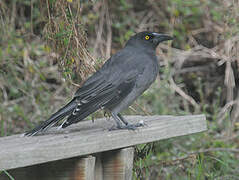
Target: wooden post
(85, 169)
(115, 165)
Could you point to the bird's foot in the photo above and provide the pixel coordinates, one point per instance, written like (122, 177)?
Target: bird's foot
(128, 126)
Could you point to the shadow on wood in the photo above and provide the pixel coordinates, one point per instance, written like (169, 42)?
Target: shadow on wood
(68, 169)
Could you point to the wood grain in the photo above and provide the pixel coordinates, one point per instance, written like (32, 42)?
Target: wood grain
(87, 138)
(115, 164)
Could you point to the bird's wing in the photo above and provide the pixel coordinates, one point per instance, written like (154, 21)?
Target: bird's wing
(100, 93)
(109, 85)
(90, 84)
(117, 69)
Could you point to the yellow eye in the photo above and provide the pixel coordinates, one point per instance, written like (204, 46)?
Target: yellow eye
(146, 37)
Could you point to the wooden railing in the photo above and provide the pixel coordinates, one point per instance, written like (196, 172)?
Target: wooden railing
(88, 150)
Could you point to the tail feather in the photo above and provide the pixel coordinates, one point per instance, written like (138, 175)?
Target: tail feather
(56, 117)
(87, 109)
(71, 119)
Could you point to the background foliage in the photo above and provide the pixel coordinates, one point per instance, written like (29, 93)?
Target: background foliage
(48, 47)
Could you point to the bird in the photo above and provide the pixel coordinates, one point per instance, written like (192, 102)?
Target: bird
(115, 86)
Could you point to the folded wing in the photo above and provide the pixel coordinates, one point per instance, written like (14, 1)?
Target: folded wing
(100, 94)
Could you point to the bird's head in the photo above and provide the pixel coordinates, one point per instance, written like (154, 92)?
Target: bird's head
(148, 39)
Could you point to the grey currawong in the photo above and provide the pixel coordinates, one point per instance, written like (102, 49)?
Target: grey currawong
(114, 87)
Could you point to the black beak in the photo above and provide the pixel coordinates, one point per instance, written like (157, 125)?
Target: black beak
(162, 37)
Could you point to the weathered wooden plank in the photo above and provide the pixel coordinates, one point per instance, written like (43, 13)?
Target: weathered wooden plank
(69, 169)
(87, 138)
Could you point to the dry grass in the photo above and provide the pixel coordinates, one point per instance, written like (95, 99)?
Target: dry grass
(66, 35)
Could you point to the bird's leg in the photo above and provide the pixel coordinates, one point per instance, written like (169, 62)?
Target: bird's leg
(118, 122)
(119, 118)
(128, 125)
(123, 119)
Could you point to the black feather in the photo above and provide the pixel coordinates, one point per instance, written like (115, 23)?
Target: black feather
(56, 117)
(106, 96)
(88, 108)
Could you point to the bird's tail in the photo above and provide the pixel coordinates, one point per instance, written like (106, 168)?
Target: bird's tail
(56, 117)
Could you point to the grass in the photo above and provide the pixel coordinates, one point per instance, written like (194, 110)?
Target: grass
(7, 174)
(200, 156)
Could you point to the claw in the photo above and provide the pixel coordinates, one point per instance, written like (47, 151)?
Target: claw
(113, 128)
(128, 126)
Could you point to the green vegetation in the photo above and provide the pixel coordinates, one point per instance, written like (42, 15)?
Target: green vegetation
(7, 174)
(45, 52)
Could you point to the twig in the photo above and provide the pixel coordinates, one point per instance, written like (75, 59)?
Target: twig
(233, 150)
(31, 16)
(230, 138)
(109, 31)
(144, 110)
(99, 30)
(130, 107)
(48, 10)
(223, 111)
(202, 68)
(183, 94)
(192, 155)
